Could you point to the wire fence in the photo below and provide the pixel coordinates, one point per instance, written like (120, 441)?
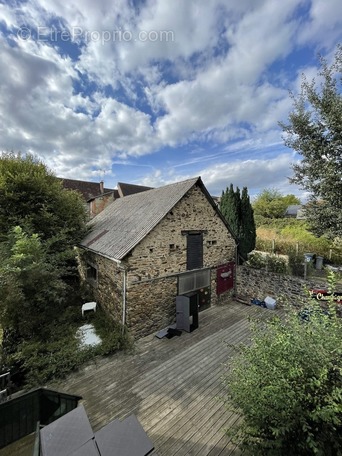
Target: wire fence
(299, 249)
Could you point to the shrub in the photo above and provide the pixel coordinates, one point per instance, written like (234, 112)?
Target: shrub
(262, 260)
(288, 386)
(277, 264)
(42, 361)
(113, 336)
(296, 264)
(256, 260)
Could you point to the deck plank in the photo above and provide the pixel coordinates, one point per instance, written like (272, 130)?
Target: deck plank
(172, 385)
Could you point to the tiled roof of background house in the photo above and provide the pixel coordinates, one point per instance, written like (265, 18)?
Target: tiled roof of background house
(107, 192)
(88, 189)
(131, 189)
(123, 224)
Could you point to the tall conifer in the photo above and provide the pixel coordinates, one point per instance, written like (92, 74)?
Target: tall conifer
(238, 212)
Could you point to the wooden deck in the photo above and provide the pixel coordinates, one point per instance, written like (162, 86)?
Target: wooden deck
(172, 385)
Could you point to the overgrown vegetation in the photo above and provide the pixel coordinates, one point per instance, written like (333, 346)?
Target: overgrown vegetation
(39, 361)
(40, 293)
(288, 384)
(292, 237)
(270, 262)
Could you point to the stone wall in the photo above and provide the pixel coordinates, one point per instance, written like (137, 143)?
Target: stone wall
(155, 262)
(108, 288)
(151, 305)
(257, 283)
(153, 265)
(163, 251)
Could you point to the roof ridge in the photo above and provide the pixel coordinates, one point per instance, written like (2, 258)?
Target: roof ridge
(130, 219)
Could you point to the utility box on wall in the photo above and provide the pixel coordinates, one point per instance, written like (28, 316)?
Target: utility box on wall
(225, 277)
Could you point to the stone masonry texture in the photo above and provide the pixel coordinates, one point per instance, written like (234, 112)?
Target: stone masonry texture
(257, 283)
(152, 266)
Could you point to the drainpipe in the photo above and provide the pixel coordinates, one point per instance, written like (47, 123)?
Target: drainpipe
(124, 287)
(236, 265)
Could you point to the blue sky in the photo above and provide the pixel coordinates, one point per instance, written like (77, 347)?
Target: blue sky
(151, 92)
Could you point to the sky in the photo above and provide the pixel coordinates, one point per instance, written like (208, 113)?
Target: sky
(152, 92)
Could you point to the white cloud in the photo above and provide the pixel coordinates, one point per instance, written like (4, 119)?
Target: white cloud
(40, 112)
(210, 84)
(324, 25)
(255, 174)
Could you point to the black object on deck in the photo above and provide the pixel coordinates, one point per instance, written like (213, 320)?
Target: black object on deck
(187, 312)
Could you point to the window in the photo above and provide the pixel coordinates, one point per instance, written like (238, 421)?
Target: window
(194, 252)
(193, 281)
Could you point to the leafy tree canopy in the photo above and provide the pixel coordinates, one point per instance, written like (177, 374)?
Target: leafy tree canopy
(271, 203)
(288, 385)
(40, 223)
(32, 292)
(314, 130)
(33, 198)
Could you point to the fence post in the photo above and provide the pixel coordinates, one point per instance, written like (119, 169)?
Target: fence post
(330, 254)
(297, 248)
(305, 269)
(273, 245)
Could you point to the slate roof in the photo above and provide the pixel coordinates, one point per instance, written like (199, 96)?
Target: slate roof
(107, 192)
(123, 224)
(88, 189)
(131, 189)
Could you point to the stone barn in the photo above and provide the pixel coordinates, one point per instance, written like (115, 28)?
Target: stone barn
(147, 249)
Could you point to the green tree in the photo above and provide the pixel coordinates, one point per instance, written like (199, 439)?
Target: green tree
(272, 204)
(39, 252)
(247, 237)
(288, 385)
(230, 206)
(238, 212)
(32, 291)
(33, 198)
(314, 130)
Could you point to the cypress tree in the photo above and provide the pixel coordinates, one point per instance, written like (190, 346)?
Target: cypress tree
(230, 208)
(247, 225)
(238, 212)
